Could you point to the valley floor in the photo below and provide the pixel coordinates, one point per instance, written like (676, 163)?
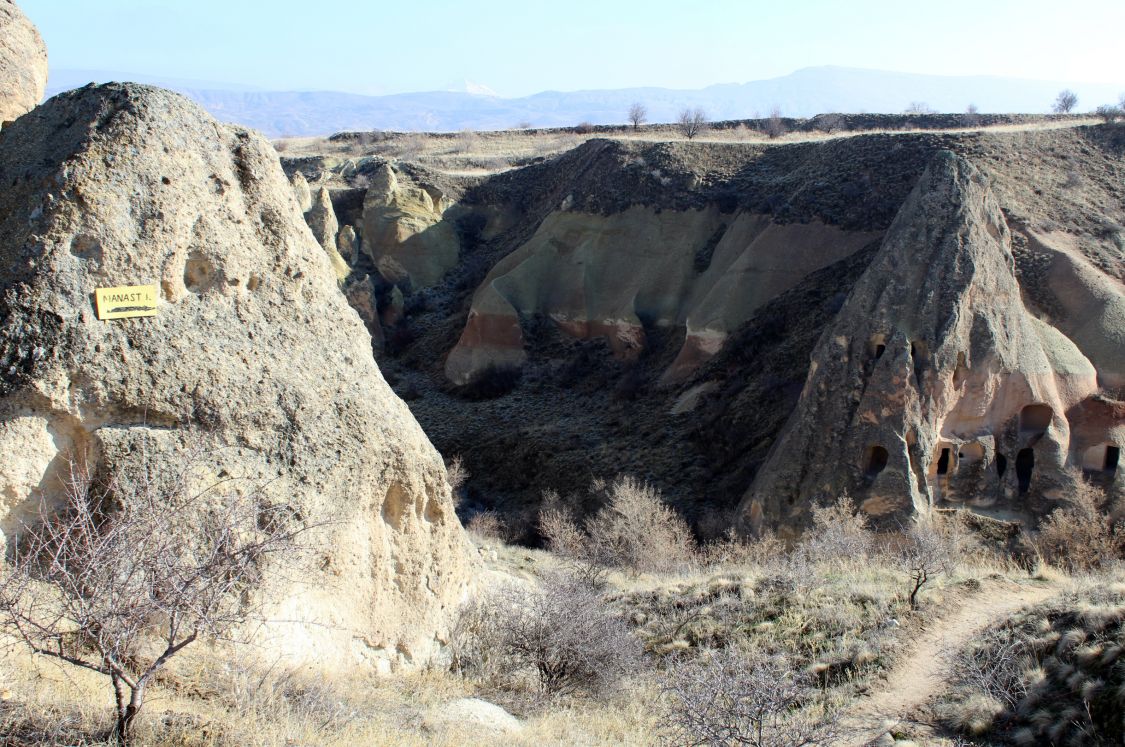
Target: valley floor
(883, 666)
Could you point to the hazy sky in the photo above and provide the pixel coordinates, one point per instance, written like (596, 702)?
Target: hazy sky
(518, 47)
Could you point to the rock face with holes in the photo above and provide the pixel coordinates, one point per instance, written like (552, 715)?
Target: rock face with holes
(253, 351)
(935, 383)
(23, 63)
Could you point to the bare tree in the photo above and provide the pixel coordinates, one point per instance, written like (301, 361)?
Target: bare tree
(925, 554)
(131, 570)
(692, 122)
(775, 127)
(638, 115)
(1065, 102)
(732, 699)
(972, 116)
(918, 107)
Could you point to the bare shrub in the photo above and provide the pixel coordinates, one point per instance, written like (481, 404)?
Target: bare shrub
(762, 550)
(638, 115)
(565, 538)
(562, 634)
(1080, 536)
(829, 123)
(1108, 113)
(410, 147)
(729, 698)
(639, 531)
(1065, 101)
(775, 127)
(467, 141)
(691, 122)
(457, 474)
(138, 567)
(839, 533)
(489, 525)
(584, 128)
(995, 664)
(281, 146)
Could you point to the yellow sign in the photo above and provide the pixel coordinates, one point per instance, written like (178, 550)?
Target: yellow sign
(125, 302)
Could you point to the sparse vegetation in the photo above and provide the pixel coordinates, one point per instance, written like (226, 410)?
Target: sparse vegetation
(1049, 675)
(1081, 536)
(560, 634)
(730, 698)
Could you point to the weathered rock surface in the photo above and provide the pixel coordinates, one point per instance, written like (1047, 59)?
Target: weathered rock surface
(935, 383)
(23, 63)
(253, 350)
(611, 276)
(404, 233)
(322, 221)
(474, 713)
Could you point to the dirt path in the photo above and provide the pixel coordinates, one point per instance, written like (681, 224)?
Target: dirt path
(917, 676)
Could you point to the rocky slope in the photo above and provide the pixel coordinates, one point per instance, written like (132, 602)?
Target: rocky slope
(23, 63)
(656, 308)
(253, 352)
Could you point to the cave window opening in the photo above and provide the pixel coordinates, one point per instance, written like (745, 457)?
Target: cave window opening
(1001, 465)
(1025, 465)
(943, 462)
(879, 350)
(876, 460)
(1112, 457)
(1035, 419)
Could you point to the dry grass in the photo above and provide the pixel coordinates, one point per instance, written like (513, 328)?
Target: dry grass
(473, 153)
(1051, 674)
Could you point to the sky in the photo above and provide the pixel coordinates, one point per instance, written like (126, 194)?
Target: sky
(520, 47)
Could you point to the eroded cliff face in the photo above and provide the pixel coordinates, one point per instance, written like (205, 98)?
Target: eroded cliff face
(658, 309)
(611, 277)
(253, 354)
(935, 383)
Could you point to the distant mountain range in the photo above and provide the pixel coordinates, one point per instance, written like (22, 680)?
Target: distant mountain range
(804, 93)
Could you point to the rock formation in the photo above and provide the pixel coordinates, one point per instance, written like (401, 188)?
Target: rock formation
(936, 384)
(611, 276)
(404, 233)
(23, 63)
(322, 220)
(253, 350)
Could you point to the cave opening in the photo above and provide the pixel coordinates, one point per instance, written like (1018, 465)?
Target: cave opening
(1112, 457)
(1025, 465)
(1035, 419)
(876, 460)
(1001, 465)
(943, 462)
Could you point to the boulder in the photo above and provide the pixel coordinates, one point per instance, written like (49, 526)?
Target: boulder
(935, 384)
(253, 353)
(474, 713)
(23, 63)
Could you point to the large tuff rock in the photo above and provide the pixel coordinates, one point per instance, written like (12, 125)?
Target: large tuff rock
(254, 351)
(404, 233)
(936, 383)
(23, 63)
(611, 276)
